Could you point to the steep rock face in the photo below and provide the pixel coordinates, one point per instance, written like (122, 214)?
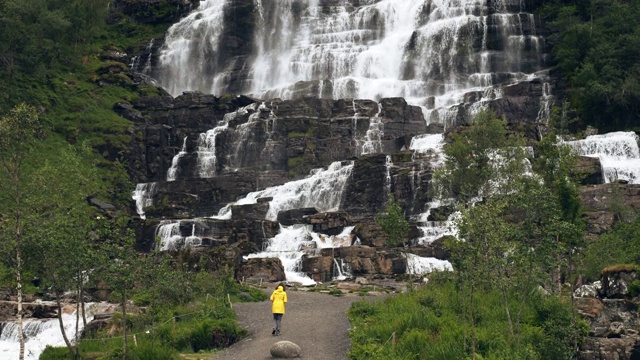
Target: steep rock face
(602, 204)
(360, 260)
(614, 325)
(161, 125)
(203, 232)
(282, 136)
(296, 49)
(404, 175)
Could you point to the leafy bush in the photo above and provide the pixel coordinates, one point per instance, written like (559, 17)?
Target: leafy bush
(621, 245)
(56, 353)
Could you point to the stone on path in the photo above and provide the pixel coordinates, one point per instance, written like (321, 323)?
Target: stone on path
(285, 350)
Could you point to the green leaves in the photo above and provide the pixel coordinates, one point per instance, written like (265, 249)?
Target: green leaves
(597, 46)
(393, 223)
(482, 159)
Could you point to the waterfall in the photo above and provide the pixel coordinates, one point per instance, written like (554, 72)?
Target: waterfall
(192, 240)
(288, 246)
(432, 53)
(422, 265)
(373, 139)
(292, 242)
(207, 150)
(322, 190)
(618, 153)
(191, 50)
(169, 236)
(143, 195)
(39, 334)
(173, 170)
(433, 230)
(387, 180)
(340, 269)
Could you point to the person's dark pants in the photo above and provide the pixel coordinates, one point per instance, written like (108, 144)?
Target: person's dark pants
(277, 319)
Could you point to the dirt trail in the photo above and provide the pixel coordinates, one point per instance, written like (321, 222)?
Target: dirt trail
(316, 322)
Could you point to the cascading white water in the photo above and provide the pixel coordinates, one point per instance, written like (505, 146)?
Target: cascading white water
(292, 242)
(433, 230)
(207, 150)
(168, 235)
(173, 170)
(341, 269)
(373, 139)
(191, 49)
(39, 334)
(423, 265)
(431, 53)
(322, 190)
(618, 153)
(387, 178)
(143, 196)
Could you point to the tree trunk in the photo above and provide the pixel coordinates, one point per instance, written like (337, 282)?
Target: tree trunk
(21, 339)
(506, 309)
(76, 337)
(61, 323)
(19, 290)
(124, 325)
(84, 314)
(473, 327)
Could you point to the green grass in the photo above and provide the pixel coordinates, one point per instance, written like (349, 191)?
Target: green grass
(429, 323)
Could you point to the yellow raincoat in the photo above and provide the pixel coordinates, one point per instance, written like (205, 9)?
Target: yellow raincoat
(279, 298)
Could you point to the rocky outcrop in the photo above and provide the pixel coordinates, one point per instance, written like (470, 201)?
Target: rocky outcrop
(357, 260)
(288, 136)
(164, 125)
(614, 323)
(261, 269)
(604, 204)
(204, 232)
(37, 310)
(616, 281)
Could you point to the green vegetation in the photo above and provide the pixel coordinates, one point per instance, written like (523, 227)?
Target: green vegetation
(62, 58)
(197, 317)
(596, 46)
(480, 158)
(619, 246)
(431, 323)
(394, 223)
(519, 229)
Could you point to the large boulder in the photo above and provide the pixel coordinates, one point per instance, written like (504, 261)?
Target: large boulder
(616, 280)
(261, 269)
(285, 350)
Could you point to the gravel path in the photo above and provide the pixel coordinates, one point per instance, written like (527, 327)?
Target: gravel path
(316, 322)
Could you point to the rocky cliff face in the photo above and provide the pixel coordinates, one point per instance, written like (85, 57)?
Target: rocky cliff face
(256, 145)
(420, 50)
(612, 314)
(197, 153)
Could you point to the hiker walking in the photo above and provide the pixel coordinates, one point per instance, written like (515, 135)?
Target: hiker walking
(278, 299)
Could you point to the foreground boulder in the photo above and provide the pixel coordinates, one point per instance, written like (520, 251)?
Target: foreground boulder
(285, 350)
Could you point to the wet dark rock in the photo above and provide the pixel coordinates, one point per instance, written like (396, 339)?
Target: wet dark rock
(261, 269)
(295, 216)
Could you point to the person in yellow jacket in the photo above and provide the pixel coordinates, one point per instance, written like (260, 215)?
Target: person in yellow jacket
(278, 299)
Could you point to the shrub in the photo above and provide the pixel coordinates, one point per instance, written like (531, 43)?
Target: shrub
(153, 350)
(56, 353)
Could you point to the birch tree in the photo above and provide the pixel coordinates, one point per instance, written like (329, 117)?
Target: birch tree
(20, 131)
